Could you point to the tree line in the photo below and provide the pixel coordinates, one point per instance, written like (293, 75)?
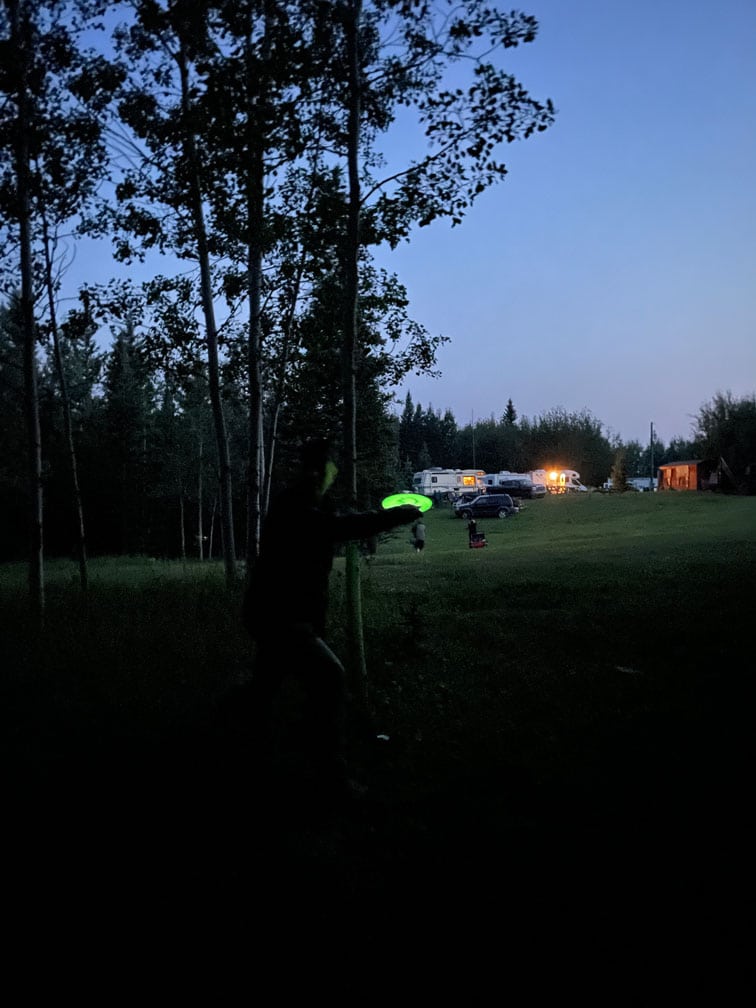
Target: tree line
(147, 461)
(724, 428)
(147, 457)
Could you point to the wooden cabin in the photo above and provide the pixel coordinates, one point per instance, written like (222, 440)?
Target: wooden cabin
(691, 475)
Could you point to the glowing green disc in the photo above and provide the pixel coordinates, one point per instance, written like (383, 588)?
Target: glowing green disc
(418, 500)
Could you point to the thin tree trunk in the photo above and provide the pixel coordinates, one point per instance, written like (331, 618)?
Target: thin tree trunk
(356, 663)
(281, 380)
(20, 35)
(254, 349)
(200, 530)
(81, 542)
(212, 529)
(203, 255)
(255, 127)
(270, 456)
(181, 523)
(254, 488)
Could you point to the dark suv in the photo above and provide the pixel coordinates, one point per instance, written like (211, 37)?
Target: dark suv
(488, 505)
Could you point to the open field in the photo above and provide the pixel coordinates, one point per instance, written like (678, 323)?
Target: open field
(569, 711)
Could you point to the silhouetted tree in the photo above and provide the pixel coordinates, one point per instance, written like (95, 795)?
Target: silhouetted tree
(726, 429)
(129, 428)
(618, 474)
(510, 415)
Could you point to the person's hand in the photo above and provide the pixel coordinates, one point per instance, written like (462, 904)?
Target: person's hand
(406, 513)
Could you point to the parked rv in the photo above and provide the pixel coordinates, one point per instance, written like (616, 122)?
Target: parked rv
(449, 482)
(559, 481)
(534, 484)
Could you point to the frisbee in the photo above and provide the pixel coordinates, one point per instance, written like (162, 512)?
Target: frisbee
(417, 500)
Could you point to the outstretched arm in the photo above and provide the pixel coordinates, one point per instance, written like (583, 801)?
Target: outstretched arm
(369, 523)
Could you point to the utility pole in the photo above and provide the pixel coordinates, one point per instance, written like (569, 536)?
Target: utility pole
(472, 428)
(651, 484)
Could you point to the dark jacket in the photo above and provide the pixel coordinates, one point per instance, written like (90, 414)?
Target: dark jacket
(289, 582)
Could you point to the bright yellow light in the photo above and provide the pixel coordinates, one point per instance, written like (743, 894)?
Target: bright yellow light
(553, 476)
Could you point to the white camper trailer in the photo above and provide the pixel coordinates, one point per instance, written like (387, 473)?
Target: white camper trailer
(535, 483)
(559, 481)
(448, 482)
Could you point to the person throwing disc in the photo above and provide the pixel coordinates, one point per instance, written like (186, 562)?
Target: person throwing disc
(286, 604)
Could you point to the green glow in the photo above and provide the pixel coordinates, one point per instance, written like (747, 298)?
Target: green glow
(418, 500)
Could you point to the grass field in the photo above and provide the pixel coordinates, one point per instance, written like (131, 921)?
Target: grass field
(569, 711)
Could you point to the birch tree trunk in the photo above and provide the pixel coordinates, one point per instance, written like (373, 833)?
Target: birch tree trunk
(211, 329)
(200, 531)
(20, 35)
(81, 542)
(255, 197)
(356, 665)
(287, 329)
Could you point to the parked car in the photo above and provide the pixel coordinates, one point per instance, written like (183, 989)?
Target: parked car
(486, 506)
(539, 490)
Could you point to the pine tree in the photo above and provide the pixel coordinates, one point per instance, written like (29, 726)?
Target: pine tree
(129, 415)
(619, 473)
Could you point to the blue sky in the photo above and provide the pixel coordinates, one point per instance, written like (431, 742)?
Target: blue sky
(614, 269)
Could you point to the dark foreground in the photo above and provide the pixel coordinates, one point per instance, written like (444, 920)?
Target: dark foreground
(621, 849)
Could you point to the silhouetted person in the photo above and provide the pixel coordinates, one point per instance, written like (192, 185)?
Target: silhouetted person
(472, 528)
(418, 531)
(286, 604)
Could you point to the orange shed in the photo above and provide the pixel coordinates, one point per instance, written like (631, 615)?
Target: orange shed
(691, 475)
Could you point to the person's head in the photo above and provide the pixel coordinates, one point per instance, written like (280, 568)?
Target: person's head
(318, 468)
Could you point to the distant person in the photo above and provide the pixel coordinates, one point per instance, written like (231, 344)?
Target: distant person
(286, 603)
(418, 533)
(472, 528)
(369, 547)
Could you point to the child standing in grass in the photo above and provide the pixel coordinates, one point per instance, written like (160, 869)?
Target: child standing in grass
(418, 531)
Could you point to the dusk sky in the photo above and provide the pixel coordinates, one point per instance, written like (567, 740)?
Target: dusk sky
(614, 268)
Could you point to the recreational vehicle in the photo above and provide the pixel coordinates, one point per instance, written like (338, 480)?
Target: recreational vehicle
(448, 482)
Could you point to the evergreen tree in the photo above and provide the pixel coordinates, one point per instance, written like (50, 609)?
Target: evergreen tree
(618, 474)
(410, 434)
(633, 458)
(127, 444)
(680, 450)
(509, 418)
(424, 458)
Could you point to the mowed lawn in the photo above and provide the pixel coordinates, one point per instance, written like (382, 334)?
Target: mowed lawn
(568, 709)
